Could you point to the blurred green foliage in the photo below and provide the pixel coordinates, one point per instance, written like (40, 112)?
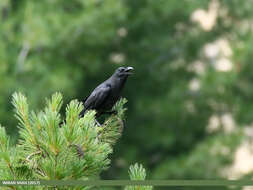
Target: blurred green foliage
(192, 63)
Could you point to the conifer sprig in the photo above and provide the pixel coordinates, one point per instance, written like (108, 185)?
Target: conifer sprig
(79, 149)
(47, 151)
(137, 172)
(112, 134)
(7, 155)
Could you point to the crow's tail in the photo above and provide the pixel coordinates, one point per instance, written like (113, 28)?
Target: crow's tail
(82, 112)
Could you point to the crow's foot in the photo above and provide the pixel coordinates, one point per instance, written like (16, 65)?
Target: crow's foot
(98, 124)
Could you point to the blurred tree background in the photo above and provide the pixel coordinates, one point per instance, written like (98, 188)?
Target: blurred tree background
(190, 109)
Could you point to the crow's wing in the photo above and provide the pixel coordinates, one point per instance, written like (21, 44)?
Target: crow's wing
(97, 97)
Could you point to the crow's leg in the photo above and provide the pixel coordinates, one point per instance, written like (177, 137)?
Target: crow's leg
(98, 124)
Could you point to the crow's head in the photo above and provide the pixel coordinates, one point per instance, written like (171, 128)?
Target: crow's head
(123, 71)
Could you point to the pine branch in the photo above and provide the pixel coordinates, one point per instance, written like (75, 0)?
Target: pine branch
(113, 127)
(7, 156)
(22, 114)
(77, 150)
(137, 172)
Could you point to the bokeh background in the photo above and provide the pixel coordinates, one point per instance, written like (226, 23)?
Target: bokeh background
(190, 109)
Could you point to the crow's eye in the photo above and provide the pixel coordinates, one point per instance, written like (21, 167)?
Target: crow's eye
(121, 70)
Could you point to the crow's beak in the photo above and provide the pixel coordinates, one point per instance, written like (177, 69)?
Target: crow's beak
(128, 70)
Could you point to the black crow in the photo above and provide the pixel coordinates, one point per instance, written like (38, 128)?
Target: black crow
(105, 95)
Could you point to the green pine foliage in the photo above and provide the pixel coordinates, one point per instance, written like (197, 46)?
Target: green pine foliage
(111, 134)
(77, 149)
(137, 172)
